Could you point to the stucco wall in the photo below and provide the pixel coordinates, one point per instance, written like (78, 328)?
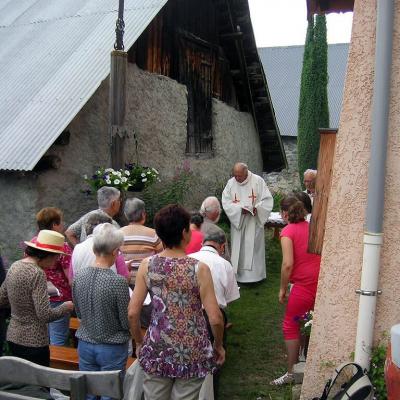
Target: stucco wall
(157, 112)
(336, 309)
(288, 179)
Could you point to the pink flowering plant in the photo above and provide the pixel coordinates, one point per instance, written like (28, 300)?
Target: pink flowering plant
(133, 177)
(306, 322)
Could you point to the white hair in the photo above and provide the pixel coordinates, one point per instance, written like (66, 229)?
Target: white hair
(242, 165)
(134, 209)
(313, 172)
(210, 204)
(106, 195)
(106, 238)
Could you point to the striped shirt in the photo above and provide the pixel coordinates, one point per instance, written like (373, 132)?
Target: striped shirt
(139, 242)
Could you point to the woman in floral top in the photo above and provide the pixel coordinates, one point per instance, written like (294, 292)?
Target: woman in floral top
(51, 218)
(176, 353)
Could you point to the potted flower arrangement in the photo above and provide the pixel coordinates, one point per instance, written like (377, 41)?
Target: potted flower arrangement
(306, 322)
(133, 177)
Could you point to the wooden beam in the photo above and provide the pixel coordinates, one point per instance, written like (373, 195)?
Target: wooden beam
(322, 190)
(119, 60)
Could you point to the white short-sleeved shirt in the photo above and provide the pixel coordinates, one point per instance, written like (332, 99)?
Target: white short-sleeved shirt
(225, 285)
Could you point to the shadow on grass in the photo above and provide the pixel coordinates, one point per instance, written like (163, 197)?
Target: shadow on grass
(256, 351)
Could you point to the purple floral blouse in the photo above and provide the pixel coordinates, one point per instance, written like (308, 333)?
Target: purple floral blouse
(176, 344)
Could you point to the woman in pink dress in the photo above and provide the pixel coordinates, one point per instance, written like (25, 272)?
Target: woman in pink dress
(196, 241)
(301, 269)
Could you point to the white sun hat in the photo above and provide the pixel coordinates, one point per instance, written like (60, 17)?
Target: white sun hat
(50, 241)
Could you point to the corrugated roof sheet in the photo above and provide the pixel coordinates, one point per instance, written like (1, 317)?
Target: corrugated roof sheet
(53, 56)
(282, 66)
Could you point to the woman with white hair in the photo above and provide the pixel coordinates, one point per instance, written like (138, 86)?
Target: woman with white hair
(101, 301)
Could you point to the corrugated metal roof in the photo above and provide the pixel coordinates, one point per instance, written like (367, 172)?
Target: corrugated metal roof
(53, 56)
(282, 66)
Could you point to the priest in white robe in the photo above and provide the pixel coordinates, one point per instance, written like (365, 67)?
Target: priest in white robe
(247, 202)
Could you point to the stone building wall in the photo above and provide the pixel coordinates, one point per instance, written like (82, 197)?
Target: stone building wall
(157, 113)
(335, 320)
(286, 180)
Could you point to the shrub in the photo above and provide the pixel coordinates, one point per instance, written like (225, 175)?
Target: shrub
(170, 191)
(377, 373)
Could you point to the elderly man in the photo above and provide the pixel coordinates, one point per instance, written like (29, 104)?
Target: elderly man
(139, 241)
(247, 203)
(223, 276)
(109, 201)
(211, 211)
(83, 255)
(310, 176)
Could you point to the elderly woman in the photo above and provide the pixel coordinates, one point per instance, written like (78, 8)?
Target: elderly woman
(51, 218)
(301, 269)
(139, 240)
(176, 353)
(25, 291)
(101, 300)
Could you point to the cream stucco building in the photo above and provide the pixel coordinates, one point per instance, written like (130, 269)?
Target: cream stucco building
(334, 333)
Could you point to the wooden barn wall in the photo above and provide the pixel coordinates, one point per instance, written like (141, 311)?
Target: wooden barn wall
(182, 42)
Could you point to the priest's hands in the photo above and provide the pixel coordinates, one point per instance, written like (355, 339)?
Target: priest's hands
(282, 296)
(246, 211)
(219, 355)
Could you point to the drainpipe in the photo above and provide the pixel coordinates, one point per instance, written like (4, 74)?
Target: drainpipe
(376, 184)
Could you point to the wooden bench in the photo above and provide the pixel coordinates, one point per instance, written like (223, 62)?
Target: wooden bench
(67, 358)
(15, 370)
(74, 324)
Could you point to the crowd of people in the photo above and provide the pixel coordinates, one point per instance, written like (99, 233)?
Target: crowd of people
(175, 280)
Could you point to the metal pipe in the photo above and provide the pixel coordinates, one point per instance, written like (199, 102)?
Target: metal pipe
(120, 27)
(376, 183)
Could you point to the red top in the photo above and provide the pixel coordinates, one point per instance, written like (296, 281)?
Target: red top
(58, 273)
(306, 265)
(195, 242)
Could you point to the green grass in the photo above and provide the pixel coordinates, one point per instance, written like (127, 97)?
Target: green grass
(255, 349)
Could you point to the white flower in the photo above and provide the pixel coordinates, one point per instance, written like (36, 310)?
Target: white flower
(144, 180)
(118, 173)
(155, 170)
(123, 179)
(127, 173)
(143, 175)
(308, 323)
(108, 170)
(108, 182)
(148, 173)
(117, 182)
(85, 176)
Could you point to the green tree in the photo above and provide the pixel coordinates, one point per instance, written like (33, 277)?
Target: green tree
(313, 106)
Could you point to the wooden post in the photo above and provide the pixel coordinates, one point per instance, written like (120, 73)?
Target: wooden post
(322, 189)
(117, 107)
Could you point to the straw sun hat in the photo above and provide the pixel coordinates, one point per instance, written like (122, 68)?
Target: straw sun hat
(50, 241)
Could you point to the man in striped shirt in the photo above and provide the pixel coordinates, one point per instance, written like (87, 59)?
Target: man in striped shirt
(139, 241)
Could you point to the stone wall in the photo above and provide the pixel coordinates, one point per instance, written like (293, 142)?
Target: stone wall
(286, 180)
(157, 113)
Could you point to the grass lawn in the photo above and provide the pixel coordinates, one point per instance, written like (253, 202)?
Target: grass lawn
(256, 352)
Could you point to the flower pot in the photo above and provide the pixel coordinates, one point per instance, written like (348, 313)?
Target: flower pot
(137, 187)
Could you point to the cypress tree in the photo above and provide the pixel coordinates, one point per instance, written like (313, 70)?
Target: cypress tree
(313, 107)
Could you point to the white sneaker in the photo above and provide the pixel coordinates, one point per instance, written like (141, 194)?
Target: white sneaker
(283, 380)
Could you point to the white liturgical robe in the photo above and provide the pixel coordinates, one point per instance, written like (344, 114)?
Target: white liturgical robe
(247, 230)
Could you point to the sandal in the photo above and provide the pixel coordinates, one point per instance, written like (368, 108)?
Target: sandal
(283, 380)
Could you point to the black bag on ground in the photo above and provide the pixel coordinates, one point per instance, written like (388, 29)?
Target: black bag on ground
(349, 382)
